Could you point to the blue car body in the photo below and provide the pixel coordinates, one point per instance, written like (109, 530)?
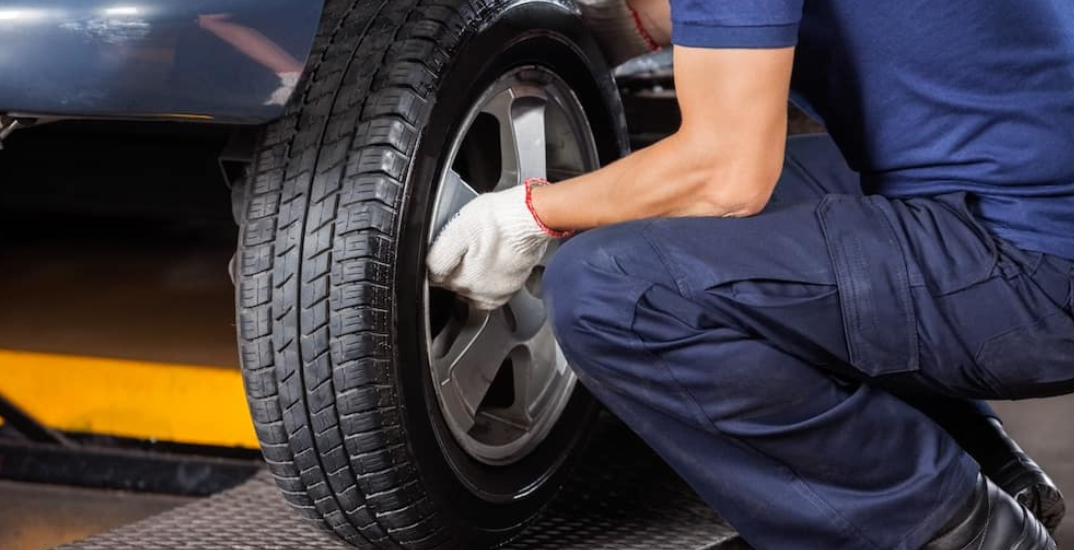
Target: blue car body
(230, 61)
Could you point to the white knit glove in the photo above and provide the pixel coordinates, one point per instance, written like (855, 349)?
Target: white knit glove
(487, 251)
(617, 29)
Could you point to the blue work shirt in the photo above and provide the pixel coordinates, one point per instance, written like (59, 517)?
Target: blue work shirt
(926, 97)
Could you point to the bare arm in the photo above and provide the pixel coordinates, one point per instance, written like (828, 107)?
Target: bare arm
(724, 160)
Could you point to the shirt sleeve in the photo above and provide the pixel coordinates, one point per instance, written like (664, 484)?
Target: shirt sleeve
(735, 23)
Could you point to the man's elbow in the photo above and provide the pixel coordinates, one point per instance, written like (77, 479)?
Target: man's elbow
(749, 207)
(733, 179)
(738, 195)
(743, 206)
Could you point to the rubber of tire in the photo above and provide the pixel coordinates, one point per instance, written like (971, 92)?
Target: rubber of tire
(330, 252)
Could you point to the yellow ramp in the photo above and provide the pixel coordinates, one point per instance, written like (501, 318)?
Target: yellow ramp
(162, 401)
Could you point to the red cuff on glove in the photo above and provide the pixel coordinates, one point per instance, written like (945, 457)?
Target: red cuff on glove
(540, 182)
(642, 32)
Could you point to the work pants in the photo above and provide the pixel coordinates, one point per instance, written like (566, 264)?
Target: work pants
(772, 360)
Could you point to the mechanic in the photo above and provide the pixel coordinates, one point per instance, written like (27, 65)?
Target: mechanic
(801, 327)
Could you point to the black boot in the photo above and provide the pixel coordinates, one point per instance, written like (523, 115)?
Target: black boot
(1001, 459)
(992, 520)
(1009, 467)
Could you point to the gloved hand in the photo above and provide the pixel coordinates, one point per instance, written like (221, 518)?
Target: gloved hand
(488, 250)
(617, 29)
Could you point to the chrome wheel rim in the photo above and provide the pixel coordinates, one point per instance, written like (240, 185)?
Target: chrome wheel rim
(500, 378)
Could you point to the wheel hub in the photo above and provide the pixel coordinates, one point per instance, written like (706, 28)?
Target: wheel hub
(501, 380)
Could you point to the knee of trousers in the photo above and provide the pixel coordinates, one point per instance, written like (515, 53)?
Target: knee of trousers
(593, 289)
(593, 284)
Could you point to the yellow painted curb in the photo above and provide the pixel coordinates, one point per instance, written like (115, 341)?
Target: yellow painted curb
(161, 401)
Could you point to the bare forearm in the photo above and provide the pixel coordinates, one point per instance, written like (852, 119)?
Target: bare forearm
(723, 161)
(669, 179)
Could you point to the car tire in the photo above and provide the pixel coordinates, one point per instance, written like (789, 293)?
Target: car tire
(333, 308)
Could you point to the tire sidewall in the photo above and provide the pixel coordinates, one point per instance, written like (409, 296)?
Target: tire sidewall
(548, 34)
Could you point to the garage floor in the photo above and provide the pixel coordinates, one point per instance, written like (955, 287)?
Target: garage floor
(101, 274)
(36, 517)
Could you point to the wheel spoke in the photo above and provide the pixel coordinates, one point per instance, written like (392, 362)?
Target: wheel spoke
(529, 314)
(472, 360)
(520, 111)
(536, 379)
(454, 193)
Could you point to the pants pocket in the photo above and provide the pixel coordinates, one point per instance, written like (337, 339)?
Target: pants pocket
(1033, 360)
(874, 284)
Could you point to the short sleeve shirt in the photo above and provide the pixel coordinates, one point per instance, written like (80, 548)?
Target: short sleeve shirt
(735, 23)
(929, 98)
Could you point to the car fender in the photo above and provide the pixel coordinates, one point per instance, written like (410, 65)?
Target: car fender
(231, 61)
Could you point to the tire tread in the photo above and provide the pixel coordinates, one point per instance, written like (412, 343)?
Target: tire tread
(315, 264)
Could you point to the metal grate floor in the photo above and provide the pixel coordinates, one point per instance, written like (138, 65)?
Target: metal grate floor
(622, 498)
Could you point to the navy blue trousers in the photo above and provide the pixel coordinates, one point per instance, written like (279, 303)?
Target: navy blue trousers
(773, 360)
